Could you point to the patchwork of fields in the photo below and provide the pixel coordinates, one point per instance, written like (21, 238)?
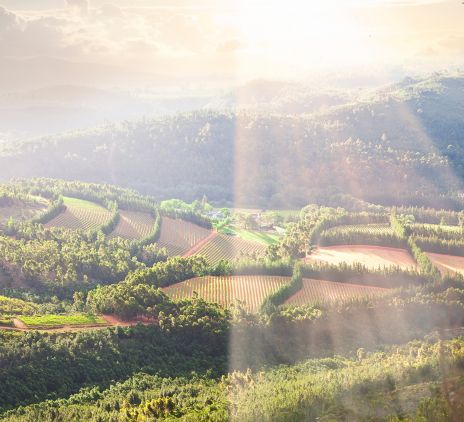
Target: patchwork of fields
(230, 247)
(226, 290)
(321, 291)
(371, 256)
(133, 225)
(252, 290)
(80, 214)
(179, 236)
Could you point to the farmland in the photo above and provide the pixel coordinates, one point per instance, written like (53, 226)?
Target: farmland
(443, 232)
(133, 225)
(179, 236)
(321, 291)
(80, 215)
(447, 263)
(230, 247)
(61, 320)
(264, 237)
(370, 256)
(370, 229)
(226, 290)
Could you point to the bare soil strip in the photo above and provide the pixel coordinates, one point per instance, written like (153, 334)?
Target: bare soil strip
(447, 263)
(371, 256)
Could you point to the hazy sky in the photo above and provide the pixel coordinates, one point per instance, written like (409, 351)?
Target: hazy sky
(236, 38)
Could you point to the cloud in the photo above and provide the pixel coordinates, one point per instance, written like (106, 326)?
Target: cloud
(82, 6)
(230, 46)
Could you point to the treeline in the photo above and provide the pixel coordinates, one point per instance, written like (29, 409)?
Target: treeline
(283, 293)
(194, 212)
(444, 233)
(56, 207)
(431, 215)
(442, 246)
(401, 225)
(341, 217)
(353, 237)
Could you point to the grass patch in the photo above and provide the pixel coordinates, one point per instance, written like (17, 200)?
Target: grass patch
(59, 320)
(265, 238)
(80, 203)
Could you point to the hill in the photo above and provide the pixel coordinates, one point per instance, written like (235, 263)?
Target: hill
(397, 138)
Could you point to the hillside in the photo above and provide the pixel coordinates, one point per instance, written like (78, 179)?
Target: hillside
(397, 138)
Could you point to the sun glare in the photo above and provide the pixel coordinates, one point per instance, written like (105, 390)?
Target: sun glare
(303, 33)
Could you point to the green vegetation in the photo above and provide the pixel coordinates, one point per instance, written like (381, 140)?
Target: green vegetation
(267, 238)
(347, 360)
(61, 320)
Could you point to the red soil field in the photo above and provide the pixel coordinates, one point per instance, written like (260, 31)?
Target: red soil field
(226, 290)
(370, 256)
(179, 236)
(133, 225)
(229, 247)
(321, 291)
(447, 263)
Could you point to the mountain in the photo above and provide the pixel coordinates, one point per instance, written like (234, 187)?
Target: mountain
(399, 144)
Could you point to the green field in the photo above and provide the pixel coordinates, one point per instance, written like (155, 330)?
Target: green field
(265, 238)
(60, 320)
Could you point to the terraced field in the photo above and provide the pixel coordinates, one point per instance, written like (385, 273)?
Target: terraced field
(321, 291)
(370, 256)
(80, 214)
(179, 236)
(226, 290)
(230, 247)
(133, 225)
(447, 263)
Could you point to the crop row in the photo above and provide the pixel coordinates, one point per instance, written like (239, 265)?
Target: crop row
(321, 291)
(178, 236)
(226, 290)
(80, 214)
(230, 248)
(373, 229)
(133, 225)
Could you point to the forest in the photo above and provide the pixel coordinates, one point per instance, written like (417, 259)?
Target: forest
(351, 150)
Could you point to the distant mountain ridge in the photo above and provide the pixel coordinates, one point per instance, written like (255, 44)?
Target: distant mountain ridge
(399, 144)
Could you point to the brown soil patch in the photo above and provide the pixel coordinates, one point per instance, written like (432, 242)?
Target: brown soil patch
(371, 256)
(447, 263)
(321, 291)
